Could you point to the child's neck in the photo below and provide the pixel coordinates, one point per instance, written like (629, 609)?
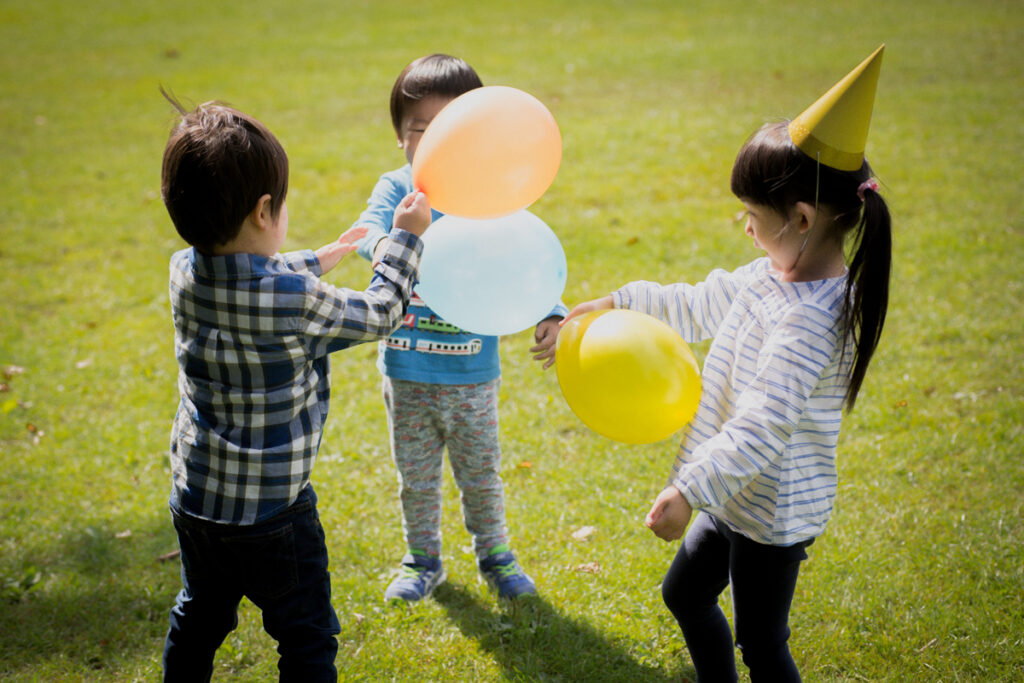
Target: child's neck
(249, 240)
(820, 263)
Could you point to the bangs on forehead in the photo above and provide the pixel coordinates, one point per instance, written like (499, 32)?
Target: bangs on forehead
(435, 75)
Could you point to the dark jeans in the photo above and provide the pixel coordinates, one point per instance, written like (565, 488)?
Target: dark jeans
(763, 579)
(281, 566)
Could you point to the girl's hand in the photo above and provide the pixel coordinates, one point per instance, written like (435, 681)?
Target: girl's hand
(601, 304)
(669, 515)
(331, 254)
(413, 213)
(545, 335)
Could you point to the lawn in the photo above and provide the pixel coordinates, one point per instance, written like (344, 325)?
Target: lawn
(920, 573)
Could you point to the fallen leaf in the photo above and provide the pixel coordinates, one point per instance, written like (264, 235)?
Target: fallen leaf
(12, 370)
(168, 556)
(526, 465)
(583, 533)
(4, 386)
(358, 617)
(83, 363)
(632, 240)
(123, 534)
(588, 568)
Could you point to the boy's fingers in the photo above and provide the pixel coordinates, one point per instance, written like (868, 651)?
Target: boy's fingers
(419, 200)
(353, 234)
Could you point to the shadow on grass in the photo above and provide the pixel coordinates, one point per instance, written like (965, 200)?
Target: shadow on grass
(100, 601)
(532, 641)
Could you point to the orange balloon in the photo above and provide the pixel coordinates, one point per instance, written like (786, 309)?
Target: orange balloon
(490, 152)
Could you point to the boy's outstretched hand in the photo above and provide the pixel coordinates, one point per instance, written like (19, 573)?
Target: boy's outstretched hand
(413, 213)
(669, 515)
(331, 254)
(546, 335)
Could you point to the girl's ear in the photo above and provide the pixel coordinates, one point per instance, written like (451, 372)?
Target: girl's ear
(803, 216)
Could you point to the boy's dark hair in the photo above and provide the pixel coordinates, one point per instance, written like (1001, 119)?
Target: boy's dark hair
(770, 170)
(436, 74)
(217, 163)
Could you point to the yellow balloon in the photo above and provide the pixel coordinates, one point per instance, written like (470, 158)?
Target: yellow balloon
(490, 152)
(627, 375)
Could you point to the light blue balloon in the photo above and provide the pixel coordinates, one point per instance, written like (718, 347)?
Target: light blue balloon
(492, 276)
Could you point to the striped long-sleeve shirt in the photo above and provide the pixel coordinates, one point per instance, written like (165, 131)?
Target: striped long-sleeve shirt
(252, 336)
(760, 453)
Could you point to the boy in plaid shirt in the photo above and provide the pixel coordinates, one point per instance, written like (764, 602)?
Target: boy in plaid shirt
(253, 332)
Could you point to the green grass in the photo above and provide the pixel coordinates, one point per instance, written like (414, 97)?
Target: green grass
(919, 575)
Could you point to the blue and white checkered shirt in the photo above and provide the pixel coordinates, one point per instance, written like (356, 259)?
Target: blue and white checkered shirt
(252, 336)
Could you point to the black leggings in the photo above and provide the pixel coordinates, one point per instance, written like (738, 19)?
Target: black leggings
(763, 579)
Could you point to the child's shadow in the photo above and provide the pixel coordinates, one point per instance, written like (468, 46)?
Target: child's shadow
(532, 641)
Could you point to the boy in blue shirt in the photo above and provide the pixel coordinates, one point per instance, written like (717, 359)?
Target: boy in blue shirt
(253, 330)
(440, 382)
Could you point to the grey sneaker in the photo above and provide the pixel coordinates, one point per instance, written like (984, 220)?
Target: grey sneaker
(421, 574)
(504, 574)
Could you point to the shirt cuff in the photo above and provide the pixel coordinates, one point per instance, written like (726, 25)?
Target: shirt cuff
(401, 258)
(619, 299)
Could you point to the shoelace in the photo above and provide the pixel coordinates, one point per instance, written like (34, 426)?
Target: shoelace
(507, 570)
(412, 572)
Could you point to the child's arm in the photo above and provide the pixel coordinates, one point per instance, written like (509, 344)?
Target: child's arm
(413, 213)
(669, 514)
(336, 318)
(331, 254)
(601, 304)
(791, 377)
(546, 335)
(694, 311)
(378, 252)
(378, 217)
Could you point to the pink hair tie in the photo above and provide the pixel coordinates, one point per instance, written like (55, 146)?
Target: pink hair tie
(869, 184)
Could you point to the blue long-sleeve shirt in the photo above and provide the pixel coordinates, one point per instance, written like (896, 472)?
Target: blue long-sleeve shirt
(425, 348)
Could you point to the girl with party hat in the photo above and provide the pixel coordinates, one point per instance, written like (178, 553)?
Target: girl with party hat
(793, 333)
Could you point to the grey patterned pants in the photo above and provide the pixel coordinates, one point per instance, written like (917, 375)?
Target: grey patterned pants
(423, 419)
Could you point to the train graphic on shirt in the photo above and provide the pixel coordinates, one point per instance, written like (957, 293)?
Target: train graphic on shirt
(428, 323)
(431, 323)
(470, 348)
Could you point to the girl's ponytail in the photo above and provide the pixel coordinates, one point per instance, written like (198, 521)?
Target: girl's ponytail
(867, 286)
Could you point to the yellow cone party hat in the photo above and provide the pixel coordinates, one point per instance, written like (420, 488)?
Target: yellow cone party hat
(835, 128)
